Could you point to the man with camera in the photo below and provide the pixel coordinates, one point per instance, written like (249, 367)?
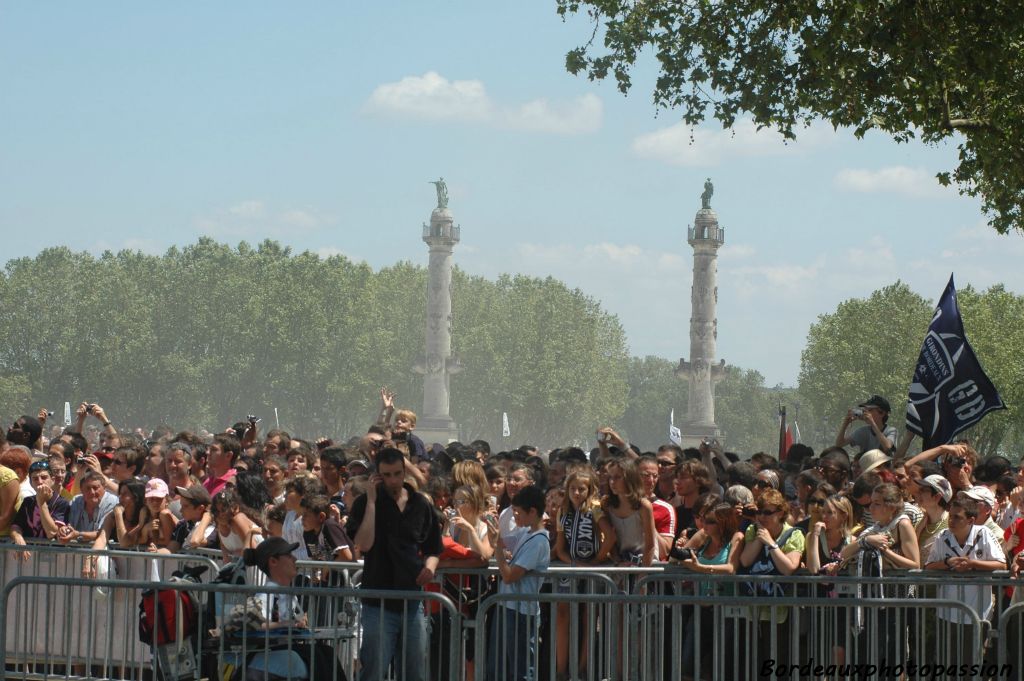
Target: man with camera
(875, 434)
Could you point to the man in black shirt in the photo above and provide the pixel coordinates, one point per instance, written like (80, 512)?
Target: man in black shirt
(397, 531)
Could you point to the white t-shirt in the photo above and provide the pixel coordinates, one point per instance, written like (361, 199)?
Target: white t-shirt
(292, 532)
(508, 530)
(979, 546)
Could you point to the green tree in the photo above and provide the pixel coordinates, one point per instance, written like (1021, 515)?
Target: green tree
(747, 411)
(866, 347)
(654, 391)
(934, 70)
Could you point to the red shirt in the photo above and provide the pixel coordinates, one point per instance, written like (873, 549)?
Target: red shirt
(214, 485)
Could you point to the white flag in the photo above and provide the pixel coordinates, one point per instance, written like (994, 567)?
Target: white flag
(505, 430)
(796, 433)
(67, 413)
(674, 433)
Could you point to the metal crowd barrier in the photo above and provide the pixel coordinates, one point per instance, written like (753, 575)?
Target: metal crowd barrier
(655, 624)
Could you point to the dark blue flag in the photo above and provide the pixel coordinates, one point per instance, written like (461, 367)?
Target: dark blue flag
(950, 391)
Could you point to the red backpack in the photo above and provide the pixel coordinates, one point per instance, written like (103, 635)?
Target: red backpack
(170, 613)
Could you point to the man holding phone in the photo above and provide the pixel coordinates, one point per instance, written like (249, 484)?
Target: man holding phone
(876, 434)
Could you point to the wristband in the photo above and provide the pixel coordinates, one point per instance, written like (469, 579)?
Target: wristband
(106, 424)
(772, 547)
(947, 560)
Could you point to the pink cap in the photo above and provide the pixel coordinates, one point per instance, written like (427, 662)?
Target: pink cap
(156, 488)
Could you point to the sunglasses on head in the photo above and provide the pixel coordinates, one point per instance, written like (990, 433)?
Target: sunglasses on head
(39, 466)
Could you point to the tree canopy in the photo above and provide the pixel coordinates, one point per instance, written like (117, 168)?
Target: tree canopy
(930, 69)
(203, 335)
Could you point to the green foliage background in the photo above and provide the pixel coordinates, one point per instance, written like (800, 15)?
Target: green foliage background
(201, 336)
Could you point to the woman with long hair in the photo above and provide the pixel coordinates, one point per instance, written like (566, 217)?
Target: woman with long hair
(631, 516)
(714, 550)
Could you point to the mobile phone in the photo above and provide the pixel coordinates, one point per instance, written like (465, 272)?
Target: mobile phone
(601, 437)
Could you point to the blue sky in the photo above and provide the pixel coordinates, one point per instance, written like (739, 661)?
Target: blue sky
(131, 125)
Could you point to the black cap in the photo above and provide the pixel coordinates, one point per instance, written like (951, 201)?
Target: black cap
(876, 401)
(269, 548)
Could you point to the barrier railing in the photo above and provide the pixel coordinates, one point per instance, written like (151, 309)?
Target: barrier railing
(617, 623)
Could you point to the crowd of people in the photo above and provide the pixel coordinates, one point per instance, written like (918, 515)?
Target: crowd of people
(407, 509)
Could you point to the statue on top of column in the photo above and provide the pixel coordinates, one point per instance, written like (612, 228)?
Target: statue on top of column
(705, 198)
(442, 193)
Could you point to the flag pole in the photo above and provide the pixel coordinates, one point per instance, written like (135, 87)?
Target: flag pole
(782, 432)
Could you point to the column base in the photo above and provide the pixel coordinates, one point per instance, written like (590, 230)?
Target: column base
(431, 429)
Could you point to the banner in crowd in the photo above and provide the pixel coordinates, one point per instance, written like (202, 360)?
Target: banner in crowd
(950, 391)
(674, 434)
(505, 430)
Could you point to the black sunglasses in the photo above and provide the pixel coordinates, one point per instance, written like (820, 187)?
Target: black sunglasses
(814, 501)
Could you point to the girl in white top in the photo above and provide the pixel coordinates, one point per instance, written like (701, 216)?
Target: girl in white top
(631, 516)
(467, 526)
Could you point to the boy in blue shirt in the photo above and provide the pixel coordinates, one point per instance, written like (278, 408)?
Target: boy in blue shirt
(512, 654)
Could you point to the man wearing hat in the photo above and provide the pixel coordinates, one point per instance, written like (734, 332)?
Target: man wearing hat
(876, 433)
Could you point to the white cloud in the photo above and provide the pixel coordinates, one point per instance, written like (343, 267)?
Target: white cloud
(300, 218)
(581, 115)
(433, 97)
(248, 209)
(736, 251)
(326, 252)
(254, 220)
(683, 145)
(913, 182)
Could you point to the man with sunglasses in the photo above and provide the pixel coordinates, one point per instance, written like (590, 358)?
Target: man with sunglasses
(875, 434)
(41, 515)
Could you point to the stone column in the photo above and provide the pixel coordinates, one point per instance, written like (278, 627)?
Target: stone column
(701, 371)
(437, 363)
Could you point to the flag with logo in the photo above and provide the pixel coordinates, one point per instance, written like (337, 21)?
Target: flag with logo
(505, 430)
(950, 391)
(674, 434)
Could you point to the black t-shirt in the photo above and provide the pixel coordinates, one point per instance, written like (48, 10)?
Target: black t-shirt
(322, 545)
(29, 520)
(402, 541)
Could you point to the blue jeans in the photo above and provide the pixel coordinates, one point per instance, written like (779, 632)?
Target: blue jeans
(512, 646)
(399, 634)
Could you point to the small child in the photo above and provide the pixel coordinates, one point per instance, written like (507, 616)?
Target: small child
(514, 627)
(275, 522)
(295, 490)
(324, 536)
(195, 501)
(585, 537)
(156, 522)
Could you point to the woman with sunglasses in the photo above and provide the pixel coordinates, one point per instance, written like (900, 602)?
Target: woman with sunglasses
(713, 550)
(772, 547)
(825, 543)
(766, 479)
(814, 506)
